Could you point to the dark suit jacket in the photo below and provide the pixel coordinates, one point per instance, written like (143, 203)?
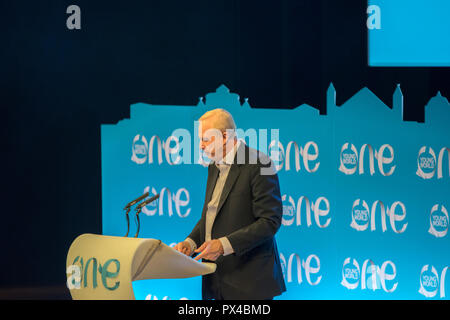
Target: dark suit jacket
(249, 214)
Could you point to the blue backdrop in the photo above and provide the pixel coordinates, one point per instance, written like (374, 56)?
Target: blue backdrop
(365, 194)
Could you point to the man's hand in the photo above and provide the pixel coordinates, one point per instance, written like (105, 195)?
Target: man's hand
(210, 250)
(184, 247)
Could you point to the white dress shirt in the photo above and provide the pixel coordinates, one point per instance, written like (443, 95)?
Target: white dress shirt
(224, 168)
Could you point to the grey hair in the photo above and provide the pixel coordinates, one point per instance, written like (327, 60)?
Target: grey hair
(219, 119)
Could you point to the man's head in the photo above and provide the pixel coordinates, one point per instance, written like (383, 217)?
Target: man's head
(217, 133)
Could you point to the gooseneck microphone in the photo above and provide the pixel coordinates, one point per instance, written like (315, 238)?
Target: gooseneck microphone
(128, 208)
(132, 203)
(146, 202)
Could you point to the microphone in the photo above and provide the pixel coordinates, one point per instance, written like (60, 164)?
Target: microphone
(132, 203)
(146, 202)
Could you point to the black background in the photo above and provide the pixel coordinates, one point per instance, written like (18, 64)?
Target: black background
(57, 86)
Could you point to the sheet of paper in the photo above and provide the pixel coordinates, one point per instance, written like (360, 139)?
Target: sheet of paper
(156, 260)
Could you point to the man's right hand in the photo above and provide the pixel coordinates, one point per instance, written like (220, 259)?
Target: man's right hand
(184, 247)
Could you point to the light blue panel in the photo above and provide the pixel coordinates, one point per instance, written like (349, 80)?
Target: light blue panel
(412, 33)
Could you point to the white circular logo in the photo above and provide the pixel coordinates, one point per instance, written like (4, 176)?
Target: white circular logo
(438, 221)
(426, 163)
(288, 211)
(360, 215)
(429, 281)
(348, 159)
(139, 149)
(350, 274)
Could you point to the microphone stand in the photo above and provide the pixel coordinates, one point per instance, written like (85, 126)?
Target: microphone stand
(128, 208)
(128, 220)
(138, 210)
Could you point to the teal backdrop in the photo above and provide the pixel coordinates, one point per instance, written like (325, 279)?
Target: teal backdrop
(365, 193)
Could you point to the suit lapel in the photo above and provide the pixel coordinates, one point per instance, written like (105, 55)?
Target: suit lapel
(213, 174)
(231, 179)
(233, 174)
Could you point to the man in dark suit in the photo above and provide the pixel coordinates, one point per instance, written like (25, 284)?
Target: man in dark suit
(241, 214)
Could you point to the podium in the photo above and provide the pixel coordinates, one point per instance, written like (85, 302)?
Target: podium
(103, 267)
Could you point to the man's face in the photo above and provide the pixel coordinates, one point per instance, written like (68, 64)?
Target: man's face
(212, 141)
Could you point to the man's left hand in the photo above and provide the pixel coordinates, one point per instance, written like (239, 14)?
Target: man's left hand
(210, 250)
